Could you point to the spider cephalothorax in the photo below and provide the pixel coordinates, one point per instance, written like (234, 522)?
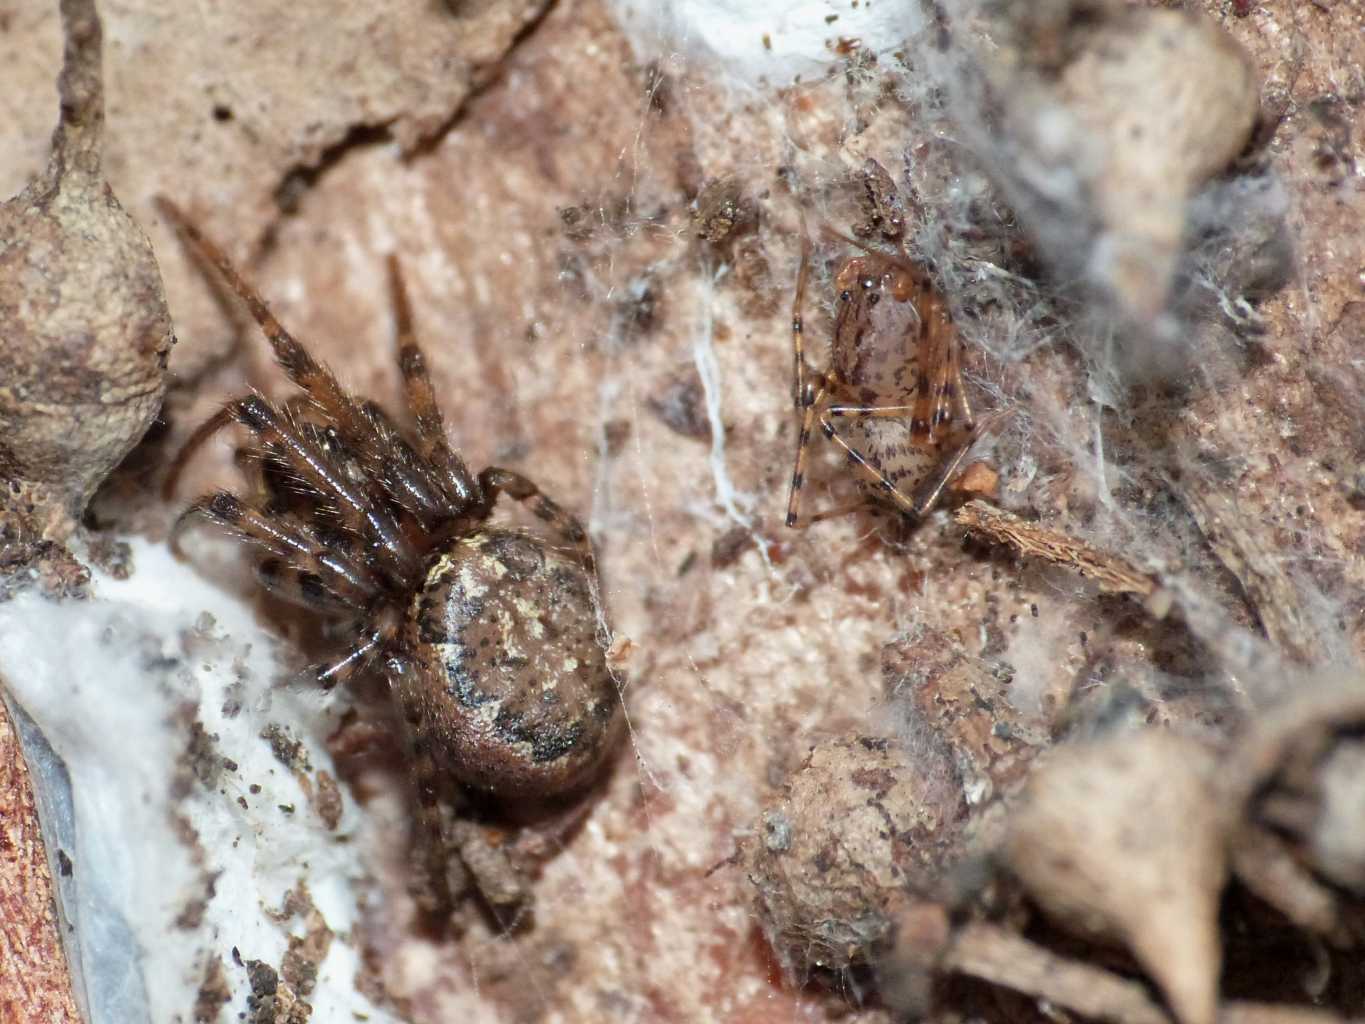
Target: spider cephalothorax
(487, 636)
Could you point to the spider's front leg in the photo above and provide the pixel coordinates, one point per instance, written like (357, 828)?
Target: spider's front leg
(338, 581)
(421, 397)
(495, 480)
(810, 389)
(810, 400)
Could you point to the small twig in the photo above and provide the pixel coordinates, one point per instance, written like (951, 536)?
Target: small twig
(1245, 655)
(1002, 958)
(1114, 575)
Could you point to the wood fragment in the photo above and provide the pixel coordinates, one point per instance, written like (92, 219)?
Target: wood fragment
(1113, 574)
(1257, 665)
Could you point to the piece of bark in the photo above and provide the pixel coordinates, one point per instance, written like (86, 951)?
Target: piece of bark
(34, 984)
(1111, 573)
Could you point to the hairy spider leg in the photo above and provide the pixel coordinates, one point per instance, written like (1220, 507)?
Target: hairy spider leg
(288, 443)
(364, 511)
(279, 487)
(412, 366)
(354, 660)
(294, 576)
(406, 477)
(298, 582)
(256, 414)
(287, 541)
(495, 481)
(410, 480)
(301, 368)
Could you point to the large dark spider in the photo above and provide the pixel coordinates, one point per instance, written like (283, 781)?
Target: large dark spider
(487, 636)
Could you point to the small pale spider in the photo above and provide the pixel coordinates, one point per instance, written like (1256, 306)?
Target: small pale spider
(890, 362)
(486, 635)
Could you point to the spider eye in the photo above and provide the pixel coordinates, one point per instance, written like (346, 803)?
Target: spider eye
(867, 283)
(874, 298)
(845, 296)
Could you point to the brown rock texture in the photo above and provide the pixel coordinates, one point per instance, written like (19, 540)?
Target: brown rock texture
(857, 834)
(545, 207)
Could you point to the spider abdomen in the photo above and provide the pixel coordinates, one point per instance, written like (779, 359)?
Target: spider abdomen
(511, 692)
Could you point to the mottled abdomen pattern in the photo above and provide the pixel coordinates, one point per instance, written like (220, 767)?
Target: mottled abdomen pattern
(904, 460)
(508, 624)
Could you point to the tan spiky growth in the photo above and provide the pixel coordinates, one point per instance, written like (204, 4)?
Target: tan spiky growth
(1124, 839)
(84, 328)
